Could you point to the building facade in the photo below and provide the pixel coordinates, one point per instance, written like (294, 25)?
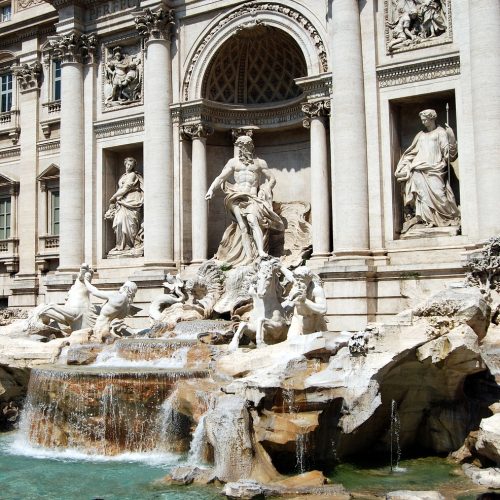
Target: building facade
(116, 116)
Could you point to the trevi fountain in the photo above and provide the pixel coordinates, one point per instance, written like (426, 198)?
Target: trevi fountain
(237, 382)
(211, 320)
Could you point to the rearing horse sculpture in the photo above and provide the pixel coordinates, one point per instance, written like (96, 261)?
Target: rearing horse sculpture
(267, 320)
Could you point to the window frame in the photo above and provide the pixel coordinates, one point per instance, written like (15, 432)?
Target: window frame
(6, 92)
(6, 226)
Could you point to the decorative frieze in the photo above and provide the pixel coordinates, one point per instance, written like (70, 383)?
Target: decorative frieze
(410, 73)
(316, 87)
(74, 47)
(156, 24)
(414, 24)
(254, 8)
(48, 146)
(10, 152)
(226, 117)
(26, 4)
(29, 76)
(129, 125)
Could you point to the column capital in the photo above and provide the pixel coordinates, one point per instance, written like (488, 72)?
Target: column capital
(74, 47)
(29, 75)
(155, 25)
(196, 131)
(315, 109)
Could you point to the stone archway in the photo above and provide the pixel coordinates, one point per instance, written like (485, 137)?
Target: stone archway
(306, 35)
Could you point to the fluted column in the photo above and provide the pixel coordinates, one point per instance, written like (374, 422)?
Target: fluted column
(199, 206)
(316, 113)
(485, 71)
(73, 49)
(155, 27)
(350, 194)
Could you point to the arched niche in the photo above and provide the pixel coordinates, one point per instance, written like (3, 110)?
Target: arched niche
(308, 37)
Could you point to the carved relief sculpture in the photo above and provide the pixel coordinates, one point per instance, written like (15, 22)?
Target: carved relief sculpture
(424, 171)
(123, 73)
(413, 23)
(125, 210)
(249, 202)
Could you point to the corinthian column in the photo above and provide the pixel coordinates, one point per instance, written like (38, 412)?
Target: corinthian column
(316, 113)
(155, 27)
(73, 49)
(485, 70)
(350, 191)
(199, 214)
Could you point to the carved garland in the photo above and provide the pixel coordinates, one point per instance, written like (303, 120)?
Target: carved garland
(253, 8)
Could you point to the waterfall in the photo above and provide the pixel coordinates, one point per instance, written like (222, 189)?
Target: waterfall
(100, 412)
(394, 438)
(196, 454)
(301, 439)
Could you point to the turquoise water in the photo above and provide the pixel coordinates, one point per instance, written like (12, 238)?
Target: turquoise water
(431, 473)
(29, 473)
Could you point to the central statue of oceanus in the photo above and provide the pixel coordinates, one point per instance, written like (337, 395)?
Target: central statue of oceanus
(250, 205)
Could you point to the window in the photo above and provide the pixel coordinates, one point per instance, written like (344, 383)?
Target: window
(5, 13)
(56, 91)
(5, 92)
(5, 218)
(54, 213)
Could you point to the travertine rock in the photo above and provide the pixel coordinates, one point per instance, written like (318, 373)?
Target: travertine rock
(460, 306)
(414, 495)
(83, 354)
(488, 439)
(236, 453)
(490, 477)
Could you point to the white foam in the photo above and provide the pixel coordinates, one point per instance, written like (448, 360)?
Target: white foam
(111, 358)
(19, 446)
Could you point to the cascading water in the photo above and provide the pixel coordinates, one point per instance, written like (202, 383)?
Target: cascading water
(394, 438)
(197, 449)
(301, 440)
(99, 412)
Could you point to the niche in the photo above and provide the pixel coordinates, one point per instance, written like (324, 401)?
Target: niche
(405, 125)
(113, 245)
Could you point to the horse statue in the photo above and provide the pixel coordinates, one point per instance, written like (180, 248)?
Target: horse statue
(267, 321)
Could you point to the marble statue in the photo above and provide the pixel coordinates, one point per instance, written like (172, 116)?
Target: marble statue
(76, 313)
(249, 202)
(187, 299)
(123, 75)
(267, 321)
(308, 300)
(125, 210)
(118, 305)
(423, 170)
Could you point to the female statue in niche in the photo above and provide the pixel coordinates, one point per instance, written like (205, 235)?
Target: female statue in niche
(423, 168)
(125, 210)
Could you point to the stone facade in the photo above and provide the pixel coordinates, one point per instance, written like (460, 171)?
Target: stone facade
(330, 93)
